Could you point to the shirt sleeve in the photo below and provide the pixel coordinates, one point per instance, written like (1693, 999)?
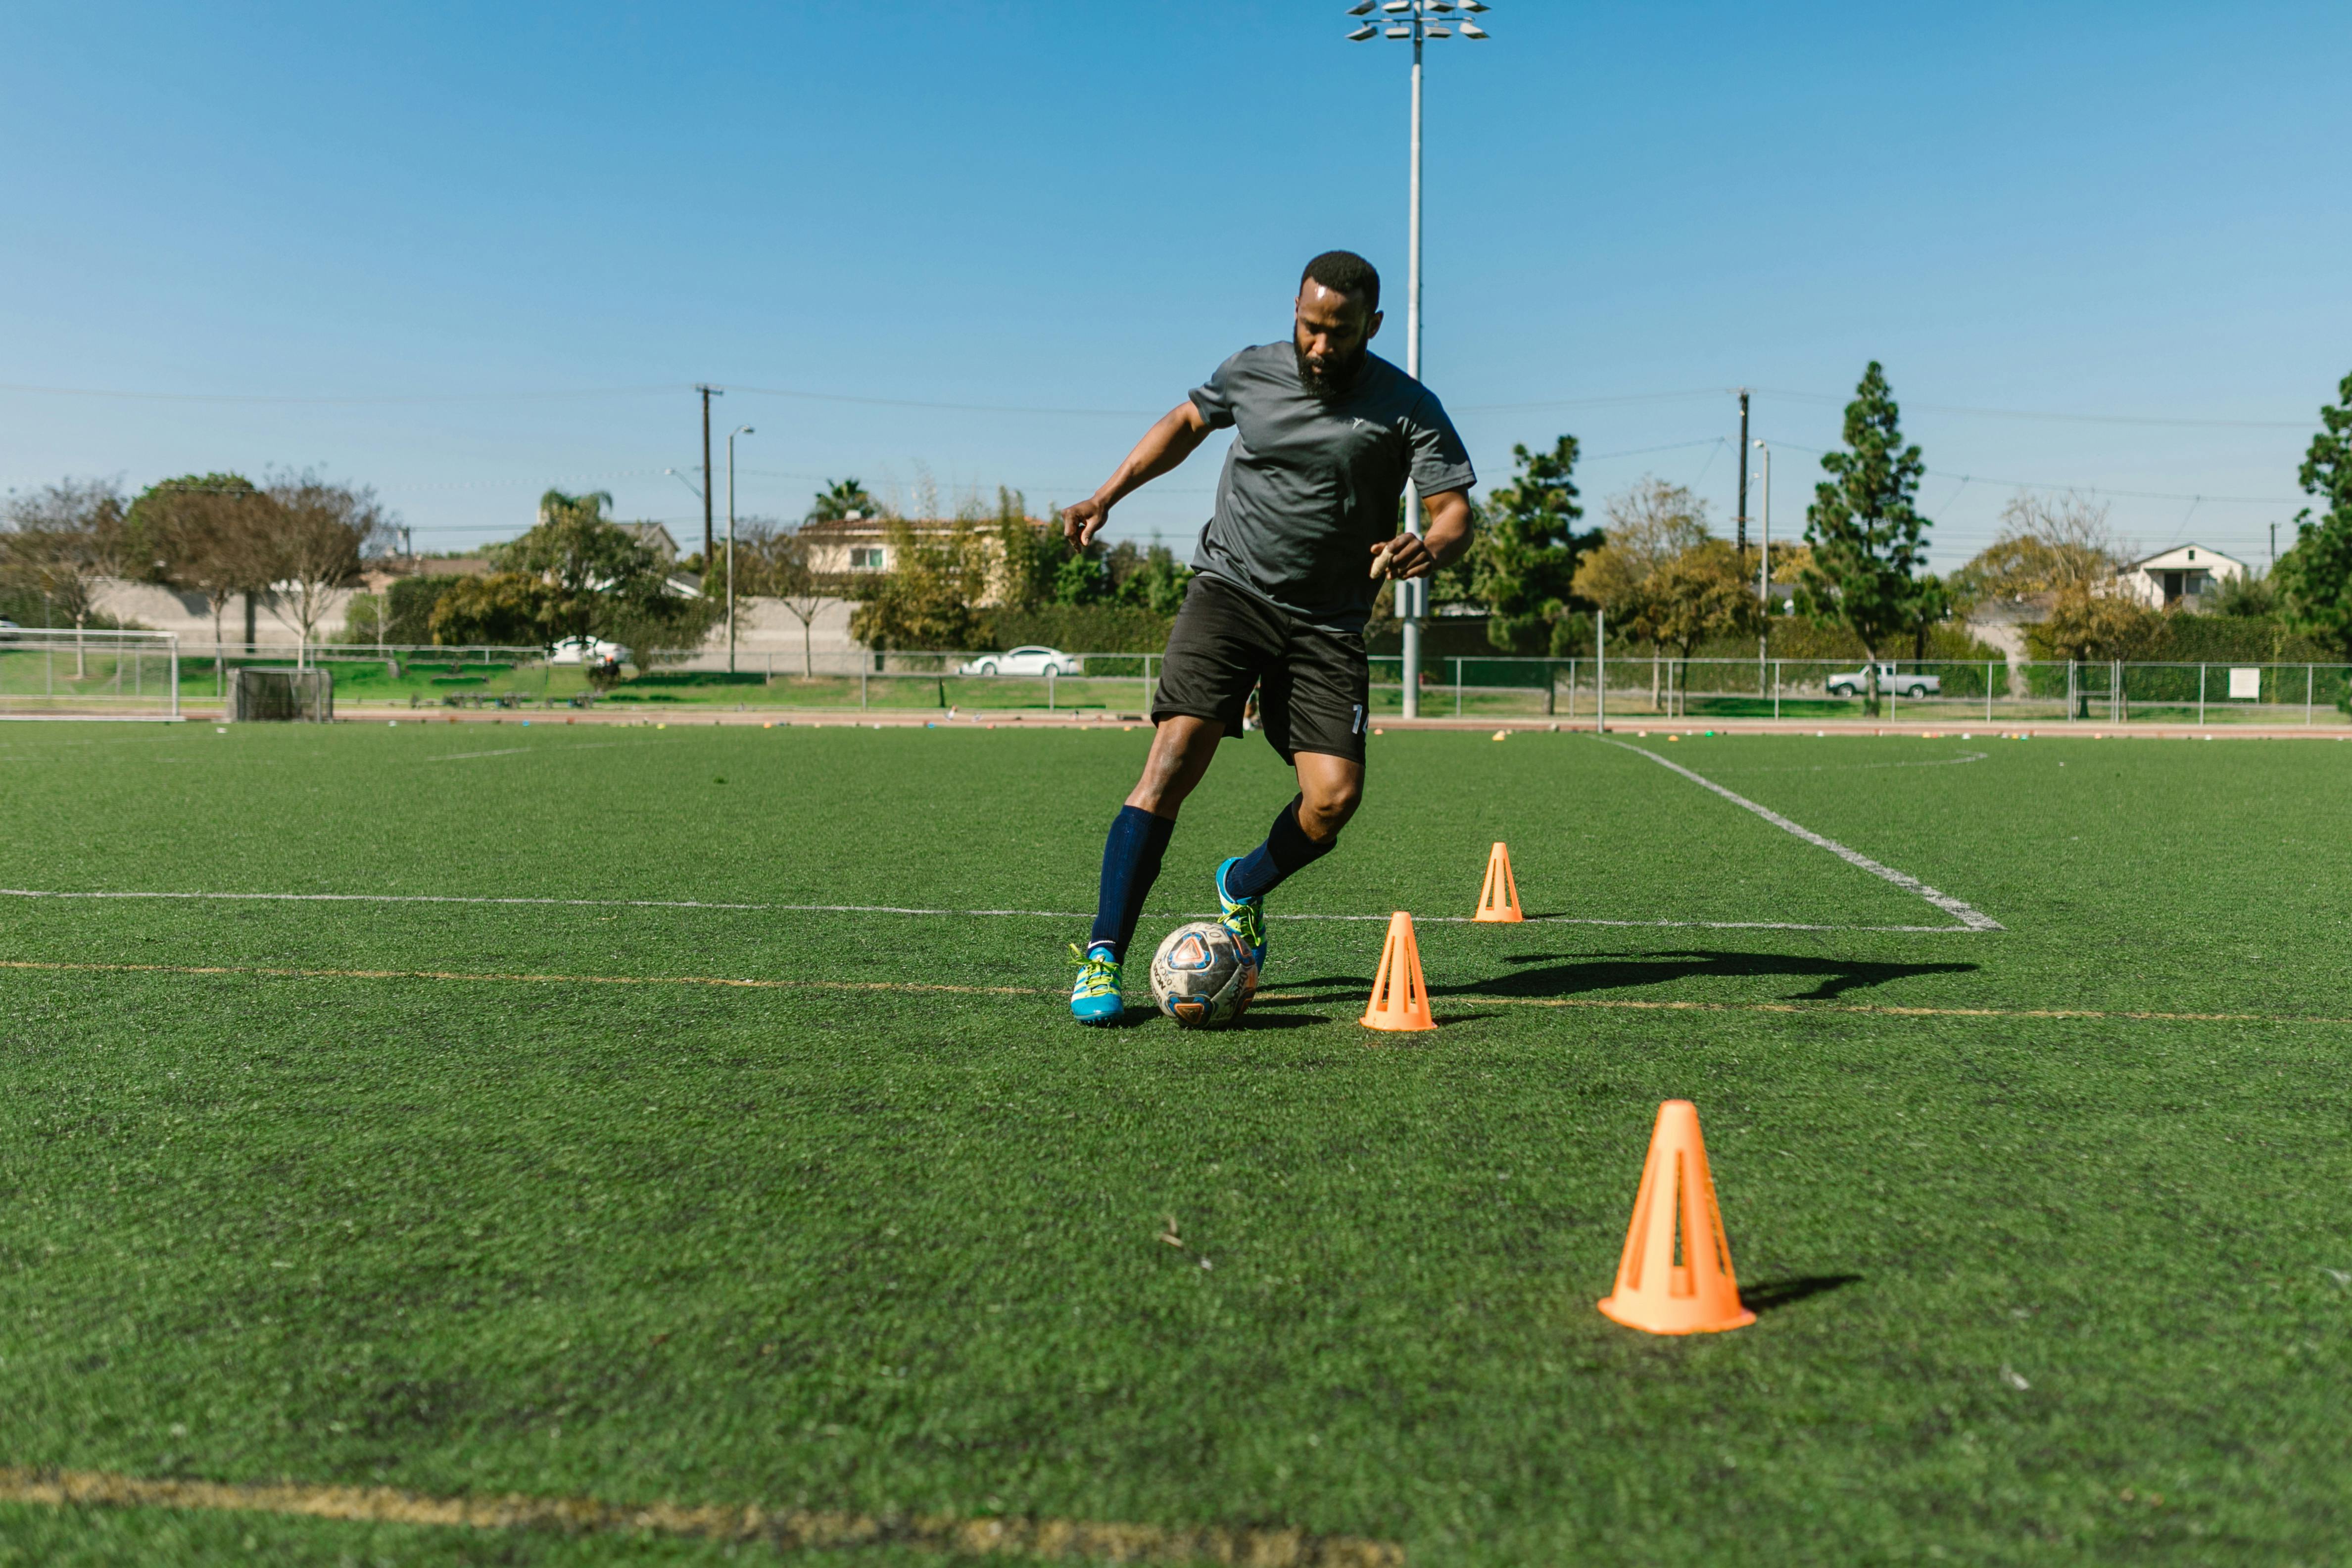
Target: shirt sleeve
(1215, 399)
(1440, 461)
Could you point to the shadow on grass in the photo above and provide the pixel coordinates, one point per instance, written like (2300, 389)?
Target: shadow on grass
(1773, 1294)
(1833, 977)
(1254, 1018)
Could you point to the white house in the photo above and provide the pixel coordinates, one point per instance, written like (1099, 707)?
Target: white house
(2182, 575)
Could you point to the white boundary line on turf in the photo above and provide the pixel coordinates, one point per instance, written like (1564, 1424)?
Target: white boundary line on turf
(1970, 917)
(901, 909)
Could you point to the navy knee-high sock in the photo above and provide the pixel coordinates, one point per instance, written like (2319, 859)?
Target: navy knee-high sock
(1130, 865)
(1287, 849)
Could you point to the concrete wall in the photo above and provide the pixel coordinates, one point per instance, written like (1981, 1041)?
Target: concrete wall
(762, 627)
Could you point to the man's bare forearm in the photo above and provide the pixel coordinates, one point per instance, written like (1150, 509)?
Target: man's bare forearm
(1446, 537)
(1176, 436)
(1449, 526)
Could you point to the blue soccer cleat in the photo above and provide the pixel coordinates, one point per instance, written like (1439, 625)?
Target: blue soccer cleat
(1095, 1000)
(1245, 917)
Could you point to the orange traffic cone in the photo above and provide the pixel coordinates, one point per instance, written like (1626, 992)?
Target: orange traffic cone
(1499, 898)
(1654, 1292)
(1400, 996)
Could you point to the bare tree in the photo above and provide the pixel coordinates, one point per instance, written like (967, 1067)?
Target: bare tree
(1650, 526)
(778, 564)
(2048, 544)
(320, 531)
(64, 541)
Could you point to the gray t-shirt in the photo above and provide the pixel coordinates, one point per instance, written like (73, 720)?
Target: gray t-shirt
(1311, 485)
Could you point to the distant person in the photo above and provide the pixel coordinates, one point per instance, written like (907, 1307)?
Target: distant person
(1305, 532)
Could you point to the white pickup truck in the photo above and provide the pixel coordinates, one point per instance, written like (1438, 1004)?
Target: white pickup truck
(1856, 683)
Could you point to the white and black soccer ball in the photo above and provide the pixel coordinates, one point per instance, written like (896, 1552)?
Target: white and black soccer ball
(1202, 978)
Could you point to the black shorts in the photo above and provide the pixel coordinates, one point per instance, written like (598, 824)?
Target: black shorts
(1313, 684)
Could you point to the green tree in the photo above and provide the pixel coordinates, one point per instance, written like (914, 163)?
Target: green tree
(1149, 579)
(503, 608)
(1701, 593)
(1028, 557)
(215, 533)
(842, 499)
(2313, 579)
(596, 579)
(408, 608)
(1523, 567)
(928, 598)
(1868, 541)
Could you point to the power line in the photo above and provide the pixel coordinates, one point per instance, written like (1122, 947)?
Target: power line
(858, 400)
(2084, 489)
(2029, 414)
(336, 400)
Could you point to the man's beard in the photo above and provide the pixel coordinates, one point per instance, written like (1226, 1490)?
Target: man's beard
(1336, 376)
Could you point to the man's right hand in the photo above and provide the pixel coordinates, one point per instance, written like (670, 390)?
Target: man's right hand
(1082, 522)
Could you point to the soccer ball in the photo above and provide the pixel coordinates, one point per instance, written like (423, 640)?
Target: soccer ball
(1202, 978)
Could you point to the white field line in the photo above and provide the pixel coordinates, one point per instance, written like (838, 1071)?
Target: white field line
(1970, 918)
(909, 910)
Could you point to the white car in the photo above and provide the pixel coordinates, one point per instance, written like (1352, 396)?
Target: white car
(586, 650)
(1856, 683)
(1024, 662)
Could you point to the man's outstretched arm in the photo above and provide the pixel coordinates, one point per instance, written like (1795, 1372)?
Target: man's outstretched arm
(1167, 444)
(1449, 535)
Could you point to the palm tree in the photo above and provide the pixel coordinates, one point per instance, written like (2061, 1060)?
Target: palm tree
(842, 499)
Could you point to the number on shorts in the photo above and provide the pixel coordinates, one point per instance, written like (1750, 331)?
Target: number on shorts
(1359, 720)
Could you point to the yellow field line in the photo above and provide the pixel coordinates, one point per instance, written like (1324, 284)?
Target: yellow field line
(787, 1530)
(1623, 1004)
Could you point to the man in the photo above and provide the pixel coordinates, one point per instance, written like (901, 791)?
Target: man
(1324, 434)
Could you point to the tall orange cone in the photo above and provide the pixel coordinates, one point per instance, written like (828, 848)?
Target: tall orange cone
(1499, 899)
(1400, 996)
(1654, 1292)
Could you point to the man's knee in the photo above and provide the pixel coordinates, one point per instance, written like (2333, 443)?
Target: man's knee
(1325, 804)
(1180, 751)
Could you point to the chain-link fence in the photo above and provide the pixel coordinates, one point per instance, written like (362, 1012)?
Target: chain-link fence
(56, 671)
(1989, 690)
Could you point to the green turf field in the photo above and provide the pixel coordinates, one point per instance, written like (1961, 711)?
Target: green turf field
(385, 1198)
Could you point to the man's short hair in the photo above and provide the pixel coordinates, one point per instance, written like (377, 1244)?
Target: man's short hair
(1345, 272)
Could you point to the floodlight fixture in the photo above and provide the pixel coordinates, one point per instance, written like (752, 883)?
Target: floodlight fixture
(1416, 22)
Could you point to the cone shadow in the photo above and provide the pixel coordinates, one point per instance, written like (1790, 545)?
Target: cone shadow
(1771, 1295)
(1832, 978)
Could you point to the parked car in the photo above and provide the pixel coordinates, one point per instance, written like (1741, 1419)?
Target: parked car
(1024, 662)
(1854, 684)
(8, 628)
(586, 650)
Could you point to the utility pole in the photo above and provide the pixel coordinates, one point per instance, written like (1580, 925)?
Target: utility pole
(1742, 509)
(738, 430)
(2274, 547)
(708, 393)
(1415, 21)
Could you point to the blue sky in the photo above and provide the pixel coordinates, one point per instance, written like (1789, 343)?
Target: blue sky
(463, 253)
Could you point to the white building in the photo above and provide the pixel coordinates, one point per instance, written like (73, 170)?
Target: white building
(2183, 576)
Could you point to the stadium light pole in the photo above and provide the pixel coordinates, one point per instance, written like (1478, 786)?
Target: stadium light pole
(738, 430)
(1764, 562)
(1417, 22)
